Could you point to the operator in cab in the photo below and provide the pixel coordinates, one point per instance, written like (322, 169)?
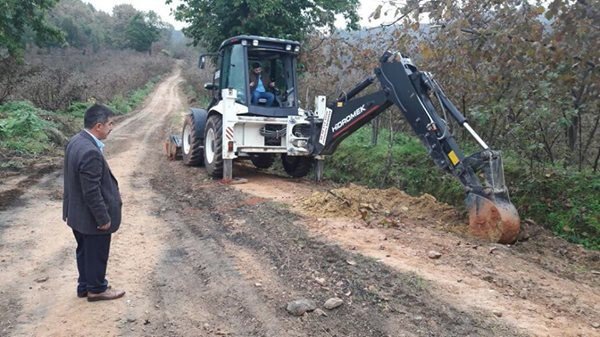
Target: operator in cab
(259, 83)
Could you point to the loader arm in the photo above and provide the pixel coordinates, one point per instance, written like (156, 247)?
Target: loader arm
(491, 214)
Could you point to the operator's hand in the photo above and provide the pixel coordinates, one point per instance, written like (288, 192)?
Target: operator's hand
(272, 84)
(104, 227)
(252, 83)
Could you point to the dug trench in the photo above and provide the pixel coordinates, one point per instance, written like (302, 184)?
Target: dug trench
(200, 258)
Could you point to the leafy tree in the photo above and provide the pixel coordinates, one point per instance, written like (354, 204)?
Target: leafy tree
(122, 16)
(16, 17)
(143, 30)
(84, 27)
(212, 21)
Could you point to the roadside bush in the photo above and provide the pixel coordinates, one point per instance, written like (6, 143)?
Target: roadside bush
(22, 131)
(566, 202)
(77, 109)
(65, 76)
(195, 78)
(27, 131)
(124, 104)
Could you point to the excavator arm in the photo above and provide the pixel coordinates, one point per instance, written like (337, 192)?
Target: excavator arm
(491, 214)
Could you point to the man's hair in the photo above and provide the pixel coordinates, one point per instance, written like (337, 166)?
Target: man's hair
(95, 114)
(256, 65)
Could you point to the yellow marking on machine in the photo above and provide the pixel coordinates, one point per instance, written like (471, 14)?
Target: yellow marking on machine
(453, 158)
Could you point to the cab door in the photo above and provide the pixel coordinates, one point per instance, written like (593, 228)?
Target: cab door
(233, 71)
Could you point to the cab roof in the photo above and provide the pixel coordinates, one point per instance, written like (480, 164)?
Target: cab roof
(263, 42)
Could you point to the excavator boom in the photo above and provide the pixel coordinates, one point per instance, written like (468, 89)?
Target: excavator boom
(491, 214)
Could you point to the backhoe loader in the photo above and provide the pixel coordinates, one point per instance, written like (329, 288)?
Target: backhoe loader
(236, 125)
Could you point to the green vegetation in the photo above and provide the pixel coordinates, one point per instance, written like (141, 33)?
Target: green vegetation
(405, 165)
(212, 21)
(143, 30)
(85, 27)
(123, 105)
(18, 18)
(566, 202)
(26, 130)
(22, 130)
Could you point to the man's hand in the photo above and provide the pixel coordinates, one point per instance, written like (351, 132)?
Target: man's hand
(104, 227)
(252, 83)
(272, 84)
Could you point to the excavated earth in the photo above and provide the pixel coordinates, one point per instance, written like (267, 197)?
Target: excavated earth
(201, 258)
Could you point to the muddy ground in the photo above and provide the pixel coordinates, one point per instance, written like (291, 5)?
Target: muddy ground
(201, 258)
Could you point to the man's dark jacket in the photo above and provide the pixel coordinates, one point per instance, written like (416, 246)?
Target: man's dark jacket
(91, 192)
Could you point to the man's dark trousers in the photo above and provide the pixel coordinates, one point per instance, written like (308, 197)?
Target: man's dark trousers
(92, 257)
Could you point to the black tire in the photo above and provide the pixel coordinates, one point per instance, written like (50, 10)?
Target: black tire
(262, 160)
(296, 166)
(192, 149)
(213, 146)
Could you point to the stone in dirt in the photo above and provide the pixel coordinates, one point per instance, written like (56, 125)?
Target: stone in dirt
(41, 279)
(299, 307)
(333, 303)
(320, 312)
(434, 255)
(320, 280)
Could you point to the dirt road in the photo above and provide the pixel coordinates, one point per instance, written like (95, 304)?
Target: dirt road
(199, 258)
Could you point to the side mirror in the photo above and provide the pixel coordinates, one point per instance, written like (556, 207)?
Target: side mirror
(211, 86)
(202, 61)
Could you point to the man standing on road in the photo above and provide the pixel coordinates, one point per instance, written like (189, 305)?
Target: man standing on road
(92, 203)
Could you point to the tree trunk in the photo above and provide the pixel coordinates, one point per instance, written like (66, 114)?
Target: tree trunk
(375, 131)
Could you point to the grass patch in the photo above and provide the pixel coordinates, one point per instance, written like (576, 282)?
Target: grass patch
(566, 202)
(28, 131)
(22, 130)
(125, 104)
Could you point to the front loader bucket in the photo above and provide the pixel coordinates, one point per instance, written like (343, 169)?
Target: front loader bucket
(495, 220)
(492, 216)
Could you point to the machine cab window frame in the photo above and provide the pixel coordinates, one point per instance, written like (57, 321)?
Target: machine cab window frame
(279, 60)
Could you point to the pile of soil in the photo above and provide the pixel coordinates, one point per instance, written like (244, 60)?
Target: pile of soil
(384, 207)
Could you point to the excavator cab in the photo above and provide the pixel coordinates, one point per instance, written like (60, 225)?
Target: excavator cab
(236, 64)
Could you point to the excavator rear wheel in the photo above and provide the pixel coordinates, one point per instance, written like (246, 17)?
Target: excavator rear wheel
(191, 143)
(213, 146)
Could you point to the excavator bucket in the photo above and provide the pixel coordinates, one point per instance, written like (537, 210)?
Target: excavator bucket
(492, 216)
(495, 220)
